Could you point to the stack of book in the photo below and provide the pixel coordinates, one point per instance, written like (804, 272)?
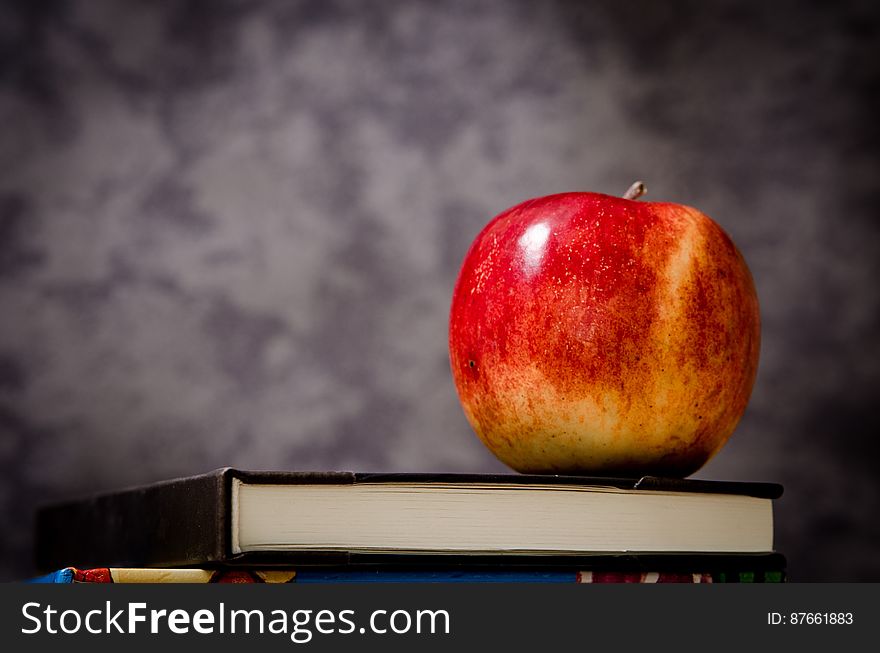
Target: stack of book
(235, 526)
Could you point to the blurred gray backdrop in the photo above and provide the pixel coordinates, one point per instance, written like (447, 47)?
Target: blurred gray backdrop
(229, 231)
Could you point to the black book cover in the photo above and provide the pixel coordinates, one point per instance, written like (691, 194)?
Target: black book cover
(187, 522)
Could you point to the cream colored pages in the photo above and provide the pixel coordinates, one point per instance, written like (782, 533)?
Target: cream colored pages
(496, 519)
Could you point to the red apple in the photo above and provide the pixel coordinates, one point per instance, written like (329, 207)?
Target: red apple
(592, 334)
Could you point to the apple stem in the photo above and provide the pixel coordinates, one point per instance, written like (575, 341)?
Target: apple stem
(635, 191)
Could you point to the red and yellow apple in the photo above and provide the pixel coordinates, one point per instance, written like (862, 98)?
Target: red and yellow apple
(592, 334)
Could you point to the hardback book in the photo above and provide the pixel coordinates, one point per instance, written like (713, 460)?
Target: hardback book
(232, 516)
(149, 575)
(771, 570)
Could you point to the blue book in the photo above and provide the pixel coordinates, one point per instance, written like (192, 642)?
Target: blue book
(59, 576)
(318, 575)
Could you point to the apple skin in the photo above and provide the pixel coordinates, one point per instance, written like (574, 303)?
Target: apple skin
(591, 334)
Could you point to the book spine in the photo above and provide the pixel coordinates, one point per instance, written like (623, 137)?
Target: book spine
(307, 575)
(172, 524)
(123, 575)
(775, 576)
(320, 576)
(641, 577)
(63, 576)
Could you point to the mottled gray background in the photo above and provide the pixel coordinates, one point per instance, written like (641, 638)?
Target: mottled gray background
(229, 231)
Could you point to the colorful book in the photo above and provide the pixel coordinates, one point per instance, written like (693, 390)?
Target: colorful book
(263, 519)
(145, 575)
(383, 575)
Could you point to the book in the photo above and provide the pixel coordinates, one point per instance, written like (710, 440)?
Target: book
(324, 518)
(147, 575)
(771, 570)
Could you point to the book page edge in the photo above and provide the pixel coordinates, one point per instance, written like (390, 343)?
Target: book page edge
(235, 542)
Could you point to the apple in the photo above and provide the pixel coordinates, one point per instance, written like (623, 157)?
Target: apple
(592, 334)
